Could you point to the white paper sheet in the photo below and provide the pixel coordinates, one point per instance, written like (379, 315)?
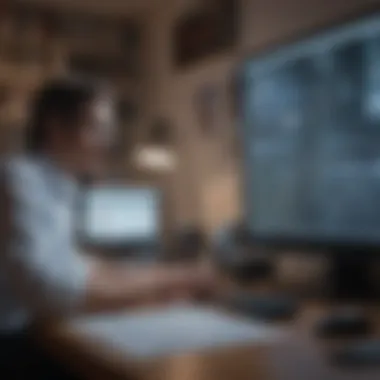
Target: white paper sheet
(175, 330)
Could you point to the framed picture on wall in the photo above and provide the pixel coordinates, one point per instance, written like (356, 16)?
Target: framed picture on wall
(210, 30)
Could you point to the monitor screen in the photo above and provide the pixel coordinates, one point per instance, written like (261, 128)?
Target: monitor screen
(311, 135)
(117, 216)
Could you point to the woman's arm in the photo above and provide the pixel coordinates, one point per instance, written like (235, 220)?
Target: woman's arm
(47, 274)
(113, 287)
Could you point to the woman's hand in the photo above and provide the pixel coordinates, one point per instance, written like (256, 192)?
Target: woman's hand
(194, 282)
(112, 287)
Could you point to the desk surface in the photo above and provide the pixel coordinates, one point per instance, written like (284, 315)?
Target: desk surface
(297, 355)
(160, 344)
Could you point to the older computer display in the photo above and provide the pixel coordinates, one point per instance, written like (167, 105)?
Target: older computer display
(120, 216)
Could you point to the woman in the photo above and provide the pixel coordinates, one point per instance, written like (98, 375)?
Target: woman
(42, 276)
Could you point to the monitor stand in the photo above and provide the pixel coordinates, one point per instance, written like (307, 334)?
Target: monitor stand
(349, 285)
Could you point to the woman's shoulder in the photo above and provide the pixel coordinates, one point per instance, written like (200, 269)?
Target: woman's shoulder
(21, 172)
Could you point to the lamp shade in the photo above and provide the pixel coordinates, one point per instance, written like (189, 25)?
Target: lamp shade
(155, 158)
(157, 153)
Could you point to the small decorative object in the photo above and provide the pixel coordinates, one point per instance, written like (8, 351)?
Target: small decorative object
(206, 107)
(210, 30)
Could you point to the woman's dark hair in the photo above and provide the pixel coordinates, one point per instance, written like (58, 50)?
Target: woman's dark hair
(61, 99)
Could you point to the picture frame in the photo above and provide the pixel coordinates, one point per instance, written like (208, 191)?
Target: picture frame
(210, 30)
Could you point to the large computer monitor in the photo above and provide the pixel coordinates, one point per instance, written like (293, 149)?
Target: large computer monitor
(310, 124)
(121, 218)
(311, 127)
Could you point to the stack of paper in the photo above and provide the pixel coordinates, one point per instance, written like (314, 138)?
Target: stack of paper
(175, 330)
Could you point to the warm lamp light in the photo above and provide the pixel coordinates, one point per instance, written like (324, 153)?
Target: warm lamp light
(157, 152)
(155, 158)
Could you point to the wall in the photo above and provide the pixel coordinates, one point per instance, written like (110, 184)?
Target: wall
(202, 170)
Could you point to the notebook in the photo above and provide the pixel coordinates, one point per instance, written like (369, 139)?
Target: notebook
(174, 330)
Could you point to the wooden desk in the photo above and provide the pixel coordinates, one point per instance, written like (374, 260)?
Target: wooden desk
(297, 356)
(96, 360)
